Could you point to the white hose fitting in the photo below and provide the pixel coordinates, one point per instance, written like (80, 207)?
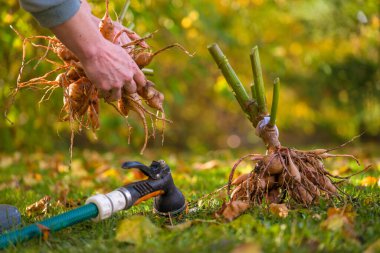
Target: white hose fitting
(107, 204)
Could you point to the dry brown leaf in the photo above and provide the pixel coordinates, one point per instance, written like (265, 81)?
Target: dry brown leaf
(136, 230)
(39, 207)
(279, 210)
(45, 231)
(368, 181)
(232, 209)
(249, 247)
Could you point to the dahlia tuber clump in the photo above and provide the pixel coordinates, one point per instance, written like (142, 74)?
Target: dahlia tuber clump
(81, 102)
(283, 173)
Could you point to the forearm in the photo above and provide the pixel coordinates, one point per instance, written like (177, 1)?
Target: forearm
(80, 33)
(87, 7)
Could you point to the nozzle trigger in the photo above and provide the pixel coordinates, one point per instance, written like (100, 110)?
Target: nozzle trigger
(152, 171)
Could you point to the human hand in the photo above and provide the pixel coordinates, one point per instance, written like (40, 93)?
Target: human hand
(108, 66)
(112, 69)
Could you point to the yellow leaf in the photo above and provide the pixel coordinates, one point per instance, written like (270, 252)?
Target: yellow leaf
(279, 210)
(368, 181)
(111, 173)
(135, 230)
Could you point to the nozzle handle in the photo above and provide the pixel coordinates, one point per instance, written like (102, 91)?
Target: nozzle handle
(153, 171)
(168, 199)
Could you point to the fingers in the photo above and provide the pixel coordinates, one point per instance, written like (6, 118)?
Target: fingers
(139, 78)
(110, 95)
(115, 95)
(130, 87)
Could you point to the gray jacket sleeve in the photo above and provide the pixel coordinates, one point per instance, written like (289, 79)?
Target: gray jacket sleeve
(50, 13)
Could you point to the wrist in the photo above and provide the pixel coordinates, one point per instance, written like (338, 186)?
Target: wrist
(80, 34)
(93, 51)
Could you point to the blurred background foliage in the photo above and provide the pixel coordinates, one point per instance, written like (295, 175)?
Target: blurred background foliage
(325, 52)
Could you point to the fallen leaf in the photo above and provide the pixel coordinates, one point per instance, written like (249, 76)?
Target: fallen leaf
(13, 183)
(78, 170)
(232, 209)
(110, 173)
(135, 230)
(45, 231)
(31, 179)
(206, 166)
(346, 211)
(247, 248)
(39, 207)
(63, 168)
(368, 181)
(374, 247)
(342, 170)
(341, 220)
(279, 210)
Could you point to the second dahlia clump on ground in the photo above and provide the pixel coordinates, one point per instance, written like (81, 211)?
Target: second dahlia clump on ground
(282, 174)
(299, 174)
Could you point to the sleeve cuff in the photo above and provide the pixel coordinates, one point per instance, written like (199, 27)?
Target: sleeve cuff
(58, 14)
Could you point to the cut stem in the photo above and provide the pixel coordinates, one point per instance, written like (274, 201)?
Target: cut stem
(241, 95)
(258, 80)
(148, 72)
(274, 107)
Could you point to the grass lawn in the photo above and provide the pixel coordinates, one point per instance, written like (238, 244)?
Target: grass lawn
(26, 178)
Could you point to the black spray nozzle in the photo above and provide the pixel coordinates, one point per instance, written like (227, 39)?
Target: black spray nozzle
(168, 199)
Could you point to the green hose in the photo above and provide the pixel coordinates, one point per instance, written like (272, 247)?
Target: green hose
(54, 224)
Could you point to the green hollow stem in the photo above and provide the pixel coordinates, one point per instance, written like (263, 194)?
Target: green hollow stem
(259, 81)
(274, 107)
(253, 91)
(246, 103)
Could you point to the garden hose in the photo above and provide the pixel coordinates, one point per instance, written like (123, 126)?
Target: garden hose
(54, 224)
(168, 201)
